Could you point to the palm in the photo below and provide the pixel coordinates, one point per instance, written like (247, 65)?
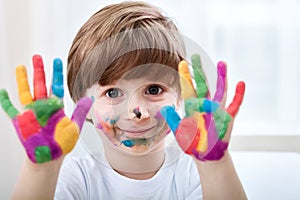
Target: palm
(205, 130)
(43, 128)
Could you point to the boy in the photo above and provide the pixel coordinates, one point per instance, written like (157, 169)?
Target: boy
(126, 57)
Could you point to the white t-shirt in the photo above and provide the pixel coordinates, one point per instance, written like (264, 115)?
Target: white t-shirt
(91, 177)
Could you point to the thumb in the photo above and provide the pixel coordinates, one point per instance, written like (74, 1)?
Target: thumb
(82, 108)
(171, 116)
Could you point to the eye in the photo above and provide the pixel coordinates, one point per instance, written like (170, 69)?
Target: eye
(113, 93)
(154, 90)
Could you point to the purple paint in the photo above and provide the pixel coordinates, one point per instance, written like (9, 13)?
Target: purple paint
(159, 116)
(82, 108)
(220, 82)
(44, 138)
(216, 153)
(99, 126)
(216, 147)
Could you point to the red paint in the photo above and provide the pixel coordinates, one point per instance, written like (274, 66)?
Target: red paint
(28, 124)
(233, 108)
(188, 134)
(39, 80)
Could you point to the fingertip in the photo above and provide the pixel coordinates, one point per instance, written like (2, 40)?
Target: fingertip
(36, 57)
(195, 57)
(222, 68)
(171, 116)
(57, 65)
(82, 108)
(240, 88)
(37, 61)
(20, 68)
(85, 102)
(183, 67)
(3, 94)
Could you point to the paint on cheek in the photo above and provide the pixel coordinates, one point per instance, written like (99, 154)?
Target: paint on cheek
(106, 124)
(99, 126)
(158, 116)
(102, 125)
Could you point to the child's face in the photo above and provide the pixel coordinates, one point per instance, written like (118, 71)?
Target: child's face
(128, 113)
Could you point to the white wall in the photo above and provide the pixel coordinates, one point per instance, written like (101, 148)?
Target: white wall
(48, 27)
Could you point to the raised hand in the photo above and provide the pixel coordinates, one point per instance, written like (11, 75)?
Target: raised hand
(43, 128)
(206, 128)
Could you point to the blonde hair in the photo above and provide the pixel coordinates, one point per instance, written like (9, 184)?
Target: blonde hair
(118, 38)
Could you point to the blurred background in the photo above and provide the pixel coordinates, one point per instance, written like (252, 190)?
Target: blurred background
(260, 41)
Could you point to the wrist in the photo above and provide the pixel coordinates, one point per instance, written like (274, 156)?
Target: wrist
(47, 166)
(226, 157)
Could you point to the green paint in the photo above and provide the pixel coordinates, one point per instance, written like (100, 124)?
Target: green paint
(222, 119)
(140, 141)
(7, 105)
(42, 154)
(44, 109)
(199, 76)
(192, 105)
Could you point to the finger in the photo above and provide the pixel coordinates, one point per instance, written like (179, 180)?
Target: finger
(222, 119)
(82, 108)
(220, 95)
(171, 116)
(199, 76)
(23, 86)
(187, 89)
(233, 108)
(57, 80)
(39, 81)
(66, 134)
(188, 134)
(7, 105)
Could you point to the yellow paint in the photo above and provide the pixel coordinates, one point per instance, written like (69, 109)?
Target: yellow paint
(66, 134)
(187, 89)
(23, 87)
(203, 143)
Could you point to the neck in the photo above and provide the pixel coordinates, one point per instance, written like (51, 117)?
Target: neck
(141, 166)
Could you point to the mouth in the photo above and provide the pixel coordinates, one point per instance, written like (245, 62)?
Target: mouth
(131, 138)
(135, 133)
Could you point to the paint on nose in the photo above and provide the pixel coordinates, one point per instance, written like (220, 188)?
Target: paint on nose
(137, 112)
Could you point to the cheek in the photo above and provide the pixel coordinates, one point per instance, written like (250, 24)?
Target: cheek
(104, 120)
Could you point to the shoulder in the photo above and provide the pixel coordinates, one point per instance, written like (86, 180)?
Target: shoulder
(77, 175)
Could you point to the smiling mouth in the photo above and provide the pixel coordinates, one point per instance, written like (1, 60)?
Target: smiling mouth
(136, 132)
(130, 138)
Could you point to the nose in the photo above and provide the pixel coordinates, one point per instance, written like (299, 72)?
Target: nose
(140, 113)
(138, 107)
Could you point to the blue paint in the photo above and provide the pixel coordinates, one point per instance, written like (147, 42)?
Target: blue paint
(209, 106)
(171, 116)
(113, 121)
(57, 80)
(128, 143)
(93, 98)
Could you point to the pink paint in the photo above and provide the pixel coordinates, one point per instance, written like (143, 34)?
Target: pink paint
(99, 126)
(221, 81)
(158, 116)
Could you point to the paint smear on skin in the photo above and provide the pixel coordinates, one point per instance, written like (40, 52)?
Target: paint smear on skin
(159, 116)
(137, 112)
(101, 124)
